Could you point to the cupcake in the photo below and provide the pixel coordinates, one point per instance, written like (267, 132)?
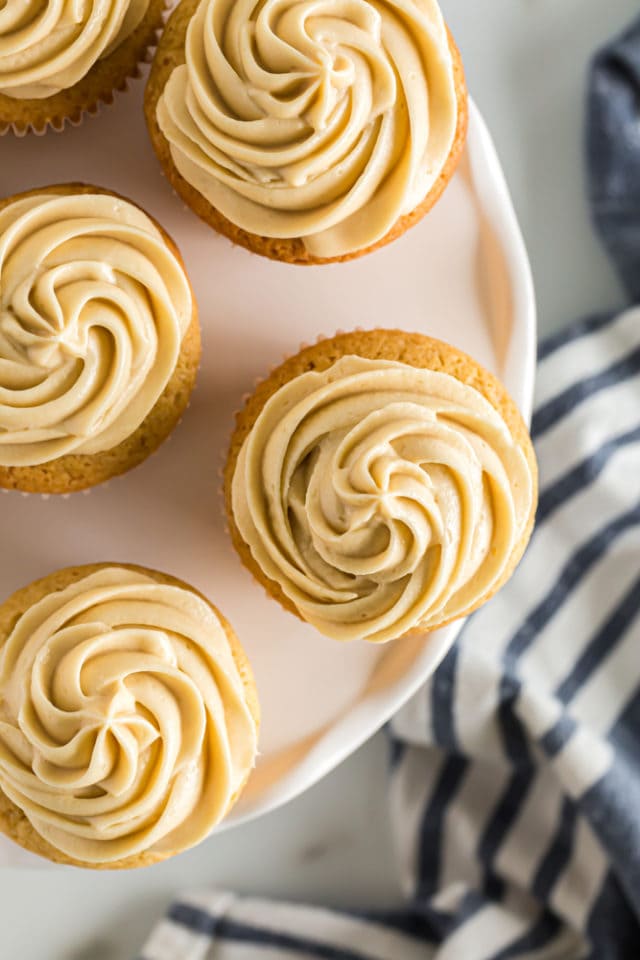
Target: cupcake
(309, 133)
(128, 717)
(380, 483)
(61, 60)
(99, 338)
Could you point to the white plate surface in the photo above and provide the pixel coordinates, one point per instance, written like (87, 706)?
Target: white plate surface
(462, 275)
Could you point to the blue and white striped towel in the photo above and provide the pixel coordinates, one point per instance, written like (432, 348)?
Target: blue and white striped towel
(515, 782)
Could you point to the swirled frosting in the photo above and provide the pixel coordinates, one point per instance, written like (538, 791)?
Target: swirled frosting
(93, 309)
(381, 497)
(49, 45)
(325, 120)
(124, 726)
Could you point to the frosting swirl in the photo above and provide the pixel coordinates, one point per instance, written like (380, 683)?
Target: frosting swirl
(381, 497)
(325, 120)
(124, 726)
(49, 45)
(93, 309)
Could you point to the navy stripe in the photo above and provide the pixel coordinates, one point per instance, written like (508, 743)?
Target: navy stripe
(613, 929)
(515, 740)
(575, 332)
(417, 922)
(560, 852)
(472, 902)
(514, 736)
(431, 836)
(539, 935)
(442, 701)
(424, 922)
(602, 643)
(624, 733)
(582, 474)
(516, 747)
(397, 750)
(494, 886)
(574, 570)
(558, 855)
(199, 921)
(612, 804)
(558, 736)
(222, 928)
(504, 815)
(548, 415)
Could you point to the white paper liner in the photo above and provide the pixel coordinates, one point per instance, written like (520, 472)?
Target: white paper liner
(94, 109)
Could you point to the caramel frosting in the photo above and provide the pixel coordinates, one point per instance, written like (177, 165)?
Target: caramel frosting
(124, 726)
(93, 308)
(325, 120)
(381, 497)
(49, 45)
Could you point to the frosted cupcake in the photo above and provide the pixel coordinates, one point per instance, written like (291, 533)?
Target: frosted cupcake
(99, 338)
(61, 59)
(308, 133)
(128, 717)
(380, 483)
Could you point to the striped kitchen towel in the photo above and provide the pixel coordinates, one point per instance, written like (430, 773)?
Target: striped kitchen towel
(516, 772)
(515, 784)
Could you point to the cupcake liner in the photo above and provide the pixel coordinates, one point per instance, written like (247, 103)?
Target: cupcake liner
(90, 105)
(94, 109)
(28, 494)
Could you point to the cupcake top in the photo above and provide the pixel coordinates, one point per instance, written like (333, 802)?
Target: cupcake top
(49, 45)
(325, 121)
(381, 497)
(124, 726)
(94, 304)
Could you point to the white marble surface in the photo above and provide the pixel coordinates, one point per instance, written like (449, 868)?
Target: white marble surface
(526, 63)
